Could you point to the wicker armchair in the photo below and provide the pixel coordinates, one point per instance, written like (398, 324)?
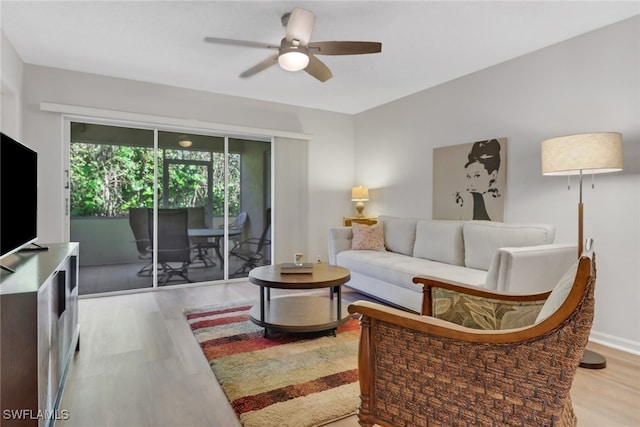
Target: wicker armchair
(419, 370)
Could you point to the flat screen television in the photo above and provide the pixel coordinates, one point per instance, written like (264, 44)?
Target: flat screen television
(18, 196)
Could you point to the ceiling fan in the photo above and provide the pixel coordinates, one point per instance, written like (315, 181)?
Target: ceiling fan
(296, 52)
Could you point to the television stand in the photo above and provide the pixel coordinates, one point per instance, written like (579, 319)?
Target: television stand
(39, 335)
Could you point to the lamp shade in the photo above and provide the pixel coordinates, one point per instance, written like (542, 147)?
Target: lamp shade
(293, 60)
(359, 194)
(590, 153)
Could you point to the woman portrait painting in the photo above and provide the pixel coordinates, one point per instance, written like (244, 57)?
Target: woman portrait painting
(469, 181)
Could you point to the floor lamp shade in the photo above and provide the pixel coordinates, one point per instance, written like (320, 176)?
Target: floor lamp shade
(589, 153)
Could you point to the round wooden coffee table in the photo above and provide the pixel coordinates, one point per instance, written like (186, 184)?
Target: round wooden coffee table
(299, 313)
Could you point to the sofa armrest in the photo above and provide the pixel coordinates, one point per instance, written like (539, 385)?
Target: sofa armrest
(530, 269)
(339, 240)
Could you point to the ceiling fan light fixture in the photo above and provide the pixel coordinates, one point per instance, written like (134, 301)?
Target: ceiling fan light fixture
(296, 52)
(294, 60)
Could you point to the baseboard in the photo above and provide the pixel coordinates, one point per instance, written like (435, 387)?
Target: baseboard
(618, 343)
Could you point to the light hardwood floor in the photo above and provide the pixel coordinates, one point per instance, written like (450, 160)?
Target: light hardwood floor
(139, 365)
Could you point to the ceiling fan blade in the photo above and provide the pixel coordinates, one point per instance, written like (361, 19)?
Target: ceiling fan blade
(260, 66)
(317, 69)
(300, 26)
(344, 48)
(245, 43)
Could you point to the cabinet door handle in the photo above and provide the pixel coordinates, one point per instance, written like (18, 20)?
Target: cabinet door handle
(61, 277)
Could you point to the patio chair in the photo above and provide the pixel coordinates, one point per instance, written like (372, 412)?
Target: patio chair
(201, 245)
(237, 224)
(251, 251)
(173, 243)
(139, 223)
(418, 370)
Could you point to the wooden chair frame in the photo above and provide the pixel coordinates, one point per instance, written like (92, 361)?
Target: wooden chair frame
(419, 370)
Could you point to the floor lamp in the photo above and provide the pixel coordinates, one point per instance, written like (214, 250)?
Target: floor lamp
(589, 153)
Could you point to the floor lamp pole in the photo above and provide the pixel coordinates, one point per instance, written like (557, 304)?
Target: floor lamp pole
(580, 221)
(590, 359)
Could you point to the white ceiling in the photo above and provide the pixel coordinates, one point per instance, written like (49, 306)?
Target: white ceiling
(424, 43)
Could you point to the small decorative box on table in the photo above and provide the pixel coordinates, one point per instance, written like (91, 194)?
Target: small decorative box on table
(299, 313)
(291, 268)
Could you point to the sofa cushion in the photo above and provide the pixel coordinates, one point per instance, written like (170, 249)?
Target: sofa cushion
(483, 238)
(367, 237)
(397, 269)
(399, 234)
(439, 241)
(559, 293)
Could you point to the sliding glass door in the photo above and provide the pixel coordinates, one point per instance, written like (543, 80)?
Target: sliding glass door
(159, 208)
(112, 185)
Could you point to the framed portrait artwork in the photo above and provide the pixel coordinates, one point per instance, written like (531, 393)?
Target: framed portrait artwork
(469, 180)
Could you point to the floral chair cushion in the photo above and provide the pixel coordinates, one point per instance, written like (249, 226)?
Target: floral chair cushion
(483, 313)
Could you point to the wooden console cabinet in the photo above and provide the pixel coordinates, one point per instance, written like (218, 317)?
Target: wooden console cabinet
(39, 333)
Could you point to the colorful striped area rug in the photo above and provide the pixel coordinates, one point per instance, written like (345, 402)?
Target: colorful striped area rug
(285, 379)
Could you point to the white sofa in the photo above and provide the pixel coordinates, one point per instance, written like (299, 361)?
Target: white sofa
(510, 258)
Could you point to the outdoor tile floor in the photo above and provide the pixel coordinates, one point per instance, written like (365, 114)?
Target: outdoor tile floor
(123, 277)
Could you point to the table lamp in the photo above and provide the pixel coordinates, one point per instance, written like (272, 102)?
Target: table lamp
(589, 153)
(359, 194)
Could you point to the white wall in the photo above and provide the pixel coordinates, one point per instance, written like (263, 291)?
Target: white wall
(587, 84)
(10, 89)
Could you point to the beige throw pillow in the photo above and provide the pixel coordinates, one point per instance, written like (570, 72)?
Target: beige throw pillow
(367, 237)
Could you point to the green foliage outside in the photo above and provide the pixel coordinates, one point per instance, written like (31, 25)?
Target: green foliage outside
(106, 180)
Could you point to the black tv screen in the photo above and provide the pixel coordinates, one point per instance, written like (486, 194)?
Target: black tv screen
(18, 195)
